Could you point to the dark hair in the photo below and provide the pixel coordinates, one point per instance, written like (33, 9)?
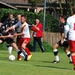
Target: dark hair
(73, 9)
(62, 16)
(23, 16)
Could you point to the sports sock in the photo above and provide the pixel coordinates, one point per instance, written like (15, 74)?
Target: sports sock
(9, 49)
(56, 54)
(73, 60)
(69, 55)
(27, 51)
(24, 52)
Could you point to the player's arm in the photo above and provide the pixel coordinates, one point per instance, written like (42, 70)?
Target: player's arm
(9, 36)
(19, 34)
(36, 27)
(12, 27)
(66, 28)
(62, 38)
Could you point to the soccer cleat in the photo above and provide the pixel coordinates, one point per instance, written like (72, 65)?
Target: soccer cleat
(20, 59)
(29, 57)
(56, 61)
(21, 54)
(26, 56)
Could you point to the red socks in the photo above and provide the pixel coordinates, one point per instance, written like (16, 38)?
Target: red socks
(27, 51)
(73, 60)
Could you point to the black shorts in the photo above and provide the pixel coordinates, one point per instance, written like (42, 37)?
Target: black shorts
(9, 40)
(65, 44)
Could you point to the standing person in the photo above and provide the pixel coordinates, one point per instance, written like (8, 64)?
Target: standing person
(18, 26)
(37, 35)
(62, 43)
(70, 30)
(24, 37)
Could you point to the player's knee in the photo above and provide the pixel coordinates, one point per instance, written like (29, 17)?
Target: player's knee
(23, 46)
(54, 47)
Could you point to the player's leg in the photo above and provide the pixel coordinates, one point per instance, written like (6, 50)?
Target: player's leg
(68, 54)
(24, 44)
(72, 50)
(40, 44)
(13, 44)
(9, 47)
(34, 45)
(65, 45)
(55, 51)
(18, 50)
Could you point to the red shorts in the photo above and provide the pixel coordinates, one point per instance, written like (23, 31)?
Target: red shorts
(23, 40)
(72, 46)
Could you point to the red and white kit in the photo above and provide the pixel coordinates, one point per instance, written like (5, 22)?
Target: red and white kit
(70, 28)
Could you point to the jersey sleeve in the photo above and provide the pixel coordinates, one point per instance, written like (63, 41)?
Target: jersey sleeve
(66, 27)
(16, 25)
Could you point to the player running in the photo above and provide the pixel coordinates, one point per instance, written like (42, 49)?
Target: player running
(24, 37)
(62, 43)
(70, 30)
(8, 23)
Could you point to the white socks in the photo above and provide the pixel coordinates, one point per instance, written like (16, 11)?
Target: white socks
(9, 49)
(56, 55)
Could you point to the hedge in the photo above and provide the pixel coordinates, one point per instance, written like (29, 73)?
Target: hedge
(51, 22)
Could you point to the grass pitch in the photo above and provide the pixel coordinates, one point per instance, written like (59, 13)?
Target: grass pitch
(40, 64)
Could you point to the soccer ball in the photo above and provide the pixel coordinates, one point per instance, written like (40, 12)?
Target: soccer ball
(11, 57)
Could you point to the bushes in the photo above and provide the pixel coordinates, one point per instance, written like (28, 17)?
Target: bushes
(51, 22)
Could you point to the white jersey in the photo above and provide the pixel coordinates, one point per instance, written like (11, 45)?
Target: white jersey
(70, 28)
(25, 30)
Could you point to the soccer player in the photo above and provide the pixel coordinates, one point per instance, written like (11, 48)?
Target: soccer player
(27, 35)
(24, 37)
(70, 30)
(62, 43)
(37, 35)
(8, 23)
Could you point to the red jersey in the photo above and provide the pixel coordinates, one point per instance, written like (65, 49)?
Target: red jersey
(37, 33)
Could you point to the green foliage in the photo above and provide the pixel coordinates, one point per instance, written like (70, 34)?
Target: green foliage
(51, 22)
(3, 46)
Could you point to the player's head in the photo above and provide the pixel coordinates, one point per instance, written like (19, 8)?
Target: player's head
(62, 19)
(73, 10)
(37, 20)
(19, 17)
(10, 16)
(23, 18)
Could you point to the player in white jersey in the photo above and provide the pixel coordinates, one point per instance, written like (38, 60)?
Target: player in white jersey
(70, 30)
(24, 37)
(25, 32)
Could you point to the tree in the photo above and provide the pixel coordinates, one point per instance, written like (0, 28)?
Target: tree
(35, 3)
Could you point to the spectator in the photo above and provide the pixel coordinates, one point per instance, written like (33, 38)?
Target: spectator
(37, 35)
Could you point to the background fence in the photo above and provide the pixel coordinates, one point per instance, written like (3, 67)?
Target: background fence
(50, 37)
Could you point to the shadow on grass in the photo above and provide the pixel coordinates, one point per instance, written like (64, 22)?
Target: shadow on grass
(52, 67)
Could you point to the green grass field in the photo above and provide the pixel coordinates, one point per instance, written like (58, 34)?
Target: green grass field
(40, 64)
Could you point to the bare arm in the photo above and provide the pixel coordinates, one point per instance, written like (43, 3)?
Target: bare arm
(19, 34)
(35, 27)
(9, 36)
(10, 28)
